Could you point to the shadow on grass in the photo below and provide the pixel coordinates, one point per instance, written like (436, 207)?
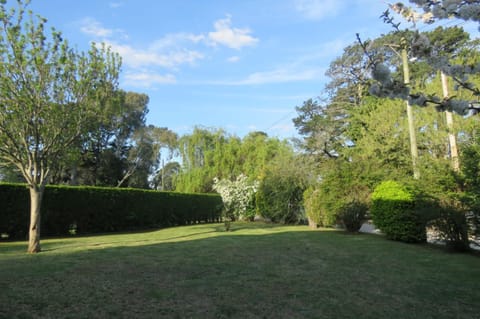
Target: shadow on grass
(254, 271)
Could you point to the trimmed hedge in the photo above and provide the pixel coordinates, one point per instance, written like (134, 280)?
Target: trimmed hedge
(96, 209)
(394, 213)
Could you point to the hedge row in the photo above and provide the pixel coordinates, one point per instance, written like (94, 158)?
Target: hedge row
(94, 209)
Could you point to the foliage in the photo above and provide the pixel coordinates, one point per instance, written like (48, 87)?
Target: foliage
(49, 93)
(238, 197)
(451, 225)
(94, 209)
(436, 52)
(207, 154)
(394, 213)
(321, 127)
(165, 177)
(280, 193)
(470, 158)
(341, 182)
(313, 208)
(352, 215)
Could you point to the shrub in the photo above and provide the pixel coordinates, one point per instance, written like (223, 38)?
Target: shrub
(393, 212)
(448, 219)
(279, 198)
(311, 204)
(98, 209)
(453, 229)
(352, 215)
(315, 209)
(238, 197)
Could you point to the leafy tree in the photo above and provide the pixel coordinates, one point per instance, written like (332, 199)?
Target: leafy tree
(207, 154)
(200, 152)
(108, 145)
(280, 193)
(49, 93)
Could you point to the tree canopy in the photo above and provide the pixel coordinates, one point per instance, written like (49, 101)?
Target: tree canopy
(49, 93)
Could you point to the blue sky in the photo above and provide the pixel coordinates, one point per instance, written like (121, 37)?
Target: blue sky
(238, 65)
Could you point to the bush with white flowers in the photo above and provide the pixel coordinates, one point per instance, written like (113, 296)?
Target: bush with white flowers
(238, 197)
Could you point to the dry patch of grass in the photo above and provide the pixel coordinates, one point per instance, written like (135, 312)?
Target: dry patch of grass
(255, 271)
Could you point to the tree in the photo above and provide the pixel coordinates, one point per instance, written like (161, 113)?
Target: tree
(321, 129)
(280, 192)
(48, 94)
(105, 147)
(210, 153)
(167, 141)
(445, 9)
(422, 49)
(164, 180)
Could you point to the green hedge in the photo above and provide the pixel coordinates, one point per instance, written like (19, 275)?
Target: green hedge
(394, 213)
(94, 209)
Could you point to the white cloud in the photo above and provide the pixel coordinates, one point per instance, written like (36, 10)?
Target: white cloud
(148, 79)
(139, 58)
(281, 75)
(234, 38)
(319, 9)
(91, 26)
(176, 40)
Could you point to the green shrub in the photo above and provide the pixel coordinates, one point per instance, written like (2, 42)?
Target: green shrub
(96, 209)
(279, 198)
(315, 208)
(393, 212)
(453, 229)
(352, 215)
(448, 219)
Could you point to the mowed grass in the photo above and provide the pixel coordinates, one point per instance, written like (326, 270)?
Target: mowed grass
(254, 271)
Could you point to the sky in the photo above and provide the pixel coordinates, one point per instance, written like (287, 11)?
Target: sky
(237, 65)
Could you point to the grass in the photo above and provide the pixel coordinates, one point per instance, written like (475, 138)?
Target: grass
(254, 271)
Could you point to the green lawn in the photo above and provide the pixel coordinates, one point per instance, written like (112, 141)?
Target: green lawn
(254, 271)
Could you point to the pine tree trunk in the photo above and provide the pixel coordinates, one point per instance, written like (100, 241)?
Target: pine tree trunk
(452, 138)
(36, 195)
(411, 123)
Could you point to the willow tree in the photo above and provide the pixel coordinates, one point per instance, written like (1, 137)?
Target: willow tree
(48, 93)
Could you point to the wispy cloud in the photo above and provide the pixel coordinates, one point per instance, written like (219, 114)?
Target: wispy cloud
(229, 36)
(319, 9)
(135, 58)
(176, 40)
(279, 75)
(168, 53)
(94, 28)
(147, 79)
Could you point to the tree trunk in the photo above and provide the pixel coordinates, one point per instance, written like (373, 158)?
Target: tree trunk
(411, 123)
(452, 138)
(36, 195)
(74, 175)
